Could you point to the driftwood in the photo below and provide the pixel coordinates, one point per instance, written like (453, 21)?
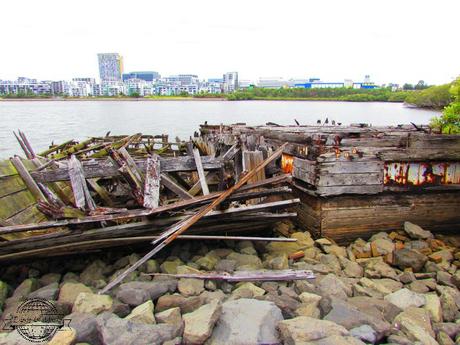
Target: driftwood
(242, 276)
(171, 234)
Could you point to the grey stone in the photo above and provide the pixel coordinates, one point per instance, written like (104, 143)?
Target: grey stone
(405, 298)
(136, 293)
(49, 292)
(332, 286)
(226, 266)
(85, 326)
(365, 333)
(247, 321)
(185, 304)
(200, 323)
(416, 232)
(409, 258)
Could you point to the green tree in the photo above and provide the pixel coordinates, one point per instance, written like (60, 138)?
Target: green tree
(449, 121)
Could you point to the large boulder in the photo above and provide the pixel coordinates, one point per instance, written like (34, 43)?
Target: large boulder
(136, 293)
(303, 329)
(405, 298)
(416, 232)
(247, 321)
(200, 323)
(409, 258)
(116, 331)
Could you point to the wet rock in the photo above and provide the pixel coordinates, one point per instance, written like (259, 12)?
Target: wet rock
(405, 298)
(92, 303)
(416, 232)
(409, 258)
(69, 292)
(109, 327)
(49, 292)
(200, 323)
(185, 304)
(303, 329)
(142, 313)
(226, 266)
(172, 316)
(136, 293)
(85, 326)
(233, 327)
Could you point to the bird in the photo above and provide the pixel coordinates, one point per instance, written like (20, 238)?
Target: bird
(318, 122)
(297, 122)
(326, 121)
(339, 123)
(333, 122)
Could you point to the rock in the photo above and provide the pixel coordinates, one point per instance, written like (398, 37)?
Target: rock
(379, 269)
(444, 278)
(456, 279)
(233, 327)
(70, 277)
(348, 316)
(69, 292)
(304, 241)
(309, 298)
(405, 298)
(286, 302)
(136, 293)
(207, 262)
(450, 328)
(253, 289)
(375, 285)
(331, 261)
(247, 260)
(416, 232)
(353, 270)
(85, 327)
(334, 287)
(93, 272)
(115, 331)
(92, 303)
(303, 329)
(279, 262)
(120, 309)
(375, 307)
(449, 306)
(399, 339)
(415, 332)
(13, 338)
(433, 307)
(65, 336)
(171, 315)
(365, 333)
(336, 250)
(309, 305)
(226, 266)
(190, 286)
(418, 286)
(170, 266)
(418, 316)
(337, 340)
(210, 285)
(25, 288)
(142, 313)
(444, 339)
(49, 292)
(409, 258)
(186, 305)
(3, 293)
(150, 266)
(384, 246)
(200, 323)
(407, 277)
(49, 278)
(209, 296)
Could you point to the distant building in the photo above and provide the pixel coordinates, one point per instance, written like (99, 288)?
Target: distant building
(142, 75)
(182, 79)
(271, 83)
(230, 80)
(110, 66)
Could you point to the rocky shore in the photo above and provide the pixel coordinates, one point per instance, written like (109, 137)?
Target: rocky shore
(397, 288)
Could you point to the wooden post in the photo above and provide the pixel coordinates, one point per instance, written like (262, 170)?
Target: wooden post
(199, 168)
(152, 182)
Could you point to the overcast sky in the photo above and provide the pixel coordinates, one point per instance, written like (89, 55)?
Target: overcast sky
(393, 40)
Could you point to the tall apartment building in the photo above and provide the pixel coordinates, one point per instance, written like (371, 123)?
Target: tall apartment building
(110, 66)
(230, 81)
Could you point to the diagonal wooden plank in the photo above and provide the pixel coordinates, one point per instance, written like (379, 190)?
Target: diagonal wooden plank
(28, 180)
(152, 182)
(169, 183)
(200, 170)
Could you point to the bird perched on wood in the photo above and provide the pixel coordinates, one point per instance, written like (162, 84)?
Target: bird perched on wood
(333, 122)
(318, 122)
(297, 122)
(326, 121)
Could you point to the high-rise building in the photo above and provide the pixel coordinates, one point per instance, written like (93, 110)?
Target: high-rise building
(110, 66)
(230, 81)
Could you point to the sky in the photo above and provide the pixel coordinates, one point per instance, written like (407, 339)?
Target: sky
(394, 41)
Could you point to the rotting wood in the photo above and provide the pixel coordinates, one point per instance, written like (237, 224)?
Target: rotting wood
(241, 276)
(199, 168)
(171, 234)
(80, 189)
(169, 183)
(28, 179)
(152, 182)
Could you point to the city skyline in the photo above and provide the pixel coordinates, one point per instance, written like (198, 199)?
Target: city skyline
(393, 41)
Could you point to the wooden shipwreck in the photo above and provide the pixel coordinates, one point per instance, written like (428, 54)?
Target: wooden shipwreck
(357, 180)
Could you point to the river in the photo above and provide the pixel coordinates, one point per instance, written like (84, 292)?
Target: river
(47, 121)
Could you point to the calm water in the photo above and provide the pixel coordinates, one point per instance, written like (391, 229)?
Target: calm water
(47, 121)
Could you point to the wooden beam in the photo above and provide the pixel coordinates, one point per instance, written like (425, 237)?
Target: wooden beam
(199, 168)
(78, 182)
(101, 191)
(152, 182)
(169, 183)
(28, 179)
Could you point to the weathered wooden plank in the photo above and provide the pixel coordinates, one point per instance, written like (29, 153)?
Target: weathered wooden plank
(132, 165)
(352, 167)
(414, 155)
(305, 164)
(80, 189)
(349, 179)
(386, 141)
(337, 190)
(423, 141)
(11, 184)
(169, 183)
(28, 179)
(101, 191)
(15, 203)
(104, 168)
(152, 183)
(306, 176)
(199, 168)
